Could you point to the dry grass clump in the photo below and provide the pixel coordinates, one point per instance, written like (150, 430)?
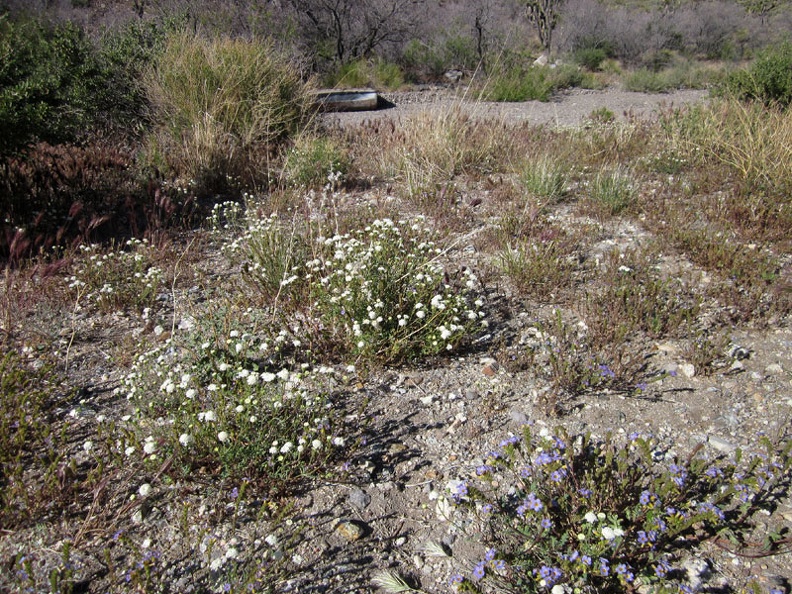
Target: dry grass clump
(432, 149)
(224, 105)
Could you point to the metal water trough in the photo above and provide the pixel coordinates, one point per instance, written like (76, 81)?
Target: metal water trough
(347, 99)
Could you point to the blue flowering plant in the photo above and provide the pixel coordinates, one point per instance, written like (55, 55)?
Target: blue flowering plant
(579, 514)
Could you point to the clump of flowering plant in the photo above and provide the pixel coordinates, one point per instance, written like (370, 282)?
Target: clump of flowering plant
(379, 292)
(575, 514)
(385, 294)
(115, 279)
(224, 404)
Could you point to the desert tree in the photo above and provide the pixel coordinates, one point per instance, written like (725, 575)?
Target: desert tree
(761, 8)
(345, 30)
(543, 15)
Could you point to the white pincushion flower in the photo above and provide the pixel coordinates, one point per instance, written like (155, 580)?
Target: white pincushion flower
(222, 437)
(252, 380)
(316, 444)
(338, 441)
(267, 377)
(286, 447)
(609, 533)
(144, 489)
(185, 439)
(149, 447)
(590, 517)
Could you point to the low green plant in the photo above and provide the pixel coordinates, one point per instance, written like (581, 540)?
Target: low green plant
(634, 300)
(378, 74)
(536, 83)
(560, 511)
(539, 268)
(29, 440)
(680, 74)
(602, 116)
(384, 293)
(576, 364)
(312, 159)
(228, 405)
(377, 293)
(432, 150)
(612, 190)
(767, 80)
(545, 178)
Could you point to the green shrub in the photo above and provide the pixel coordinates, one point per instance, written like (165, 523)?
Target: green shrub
(590, 57)
(430, 60)
(768, 79)
(53, 84)
(312, 159)
(222, 106)
(536, 83)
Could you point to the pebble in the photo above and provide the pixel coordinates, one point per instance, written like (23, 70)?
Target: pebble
(687, 369)
(518, 417)
(351, 531)
(774, 369)
(359, 498)
(721, 444)
(399, 542)
(490, 369)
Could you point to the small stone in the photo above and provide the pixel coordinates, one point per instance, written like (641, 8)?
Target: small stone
(397, 448)
(471, 394)
(418, 561)
(774, 369)
(739, 352)
(736, 367)
(697, 570)
(137, 517)
(427, 400)
(491, 368)
(359, 498)
(687, 370)
(721, 444)
(399, 542)
(351, 531)
(518, 417)
(415, 380)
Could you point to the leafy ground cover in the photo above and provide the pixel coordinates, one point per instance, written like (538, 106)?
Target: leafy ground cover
(488, 356)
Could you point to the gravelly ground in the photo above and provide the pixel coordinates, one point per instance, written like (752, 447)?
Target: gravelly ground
(567, 109)
(431, 425)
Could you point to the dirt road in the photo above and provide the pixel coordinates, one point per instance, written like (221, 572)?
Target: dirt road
(568, 109)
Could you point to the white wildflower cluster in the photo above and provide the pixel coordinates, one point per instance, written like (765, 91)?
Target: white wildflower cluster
(113, 279)
(386, 286)
(201, 405)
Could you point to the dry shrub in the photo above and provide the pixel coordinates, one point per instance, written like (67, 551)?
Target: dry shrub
(223, 107)
(752, 145)
(433, 148)
(56, 194)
